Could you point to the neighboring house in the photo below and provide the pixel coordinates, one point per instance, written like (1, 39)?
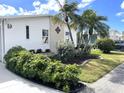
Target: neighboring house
(115, 35)
(123, 35)
(31, 32)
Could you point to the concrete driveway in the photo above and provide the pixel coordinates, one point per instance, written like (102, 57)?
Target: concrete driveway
(112, 82)
(11, 83)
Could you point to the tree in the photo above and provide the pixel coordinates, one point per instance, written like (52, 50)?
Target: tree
(90, 22)
(66, 15)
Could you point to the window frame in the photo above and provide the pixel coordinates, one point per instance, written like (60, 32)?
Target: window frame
(27, 32)
(45, 37)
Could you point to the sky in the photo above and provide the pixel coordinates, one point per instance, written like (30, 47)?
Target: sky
(112, 9)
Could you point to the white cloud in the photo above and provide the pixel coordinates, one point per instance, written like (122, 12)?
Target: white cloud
(51, 5)
(21, 11)
(85, 3)
(39, 7)
(7, 10)
(120, 14)
(36, 4)
(122, 5)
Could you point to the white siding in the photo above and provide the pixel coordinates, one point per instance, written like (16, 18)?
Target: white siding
(0, 41)
(17, 35)
(56, 38)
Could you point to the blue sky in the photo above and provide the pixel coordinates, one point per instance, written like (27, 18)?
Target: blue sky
(113, 9)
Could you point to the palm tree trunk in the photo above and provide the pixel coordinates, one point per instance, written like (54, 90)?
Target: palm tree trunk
(70, 33)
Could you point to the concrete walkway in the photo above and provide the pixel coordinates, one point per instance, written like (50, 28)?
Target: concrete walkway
(112, 82)
(11, 83)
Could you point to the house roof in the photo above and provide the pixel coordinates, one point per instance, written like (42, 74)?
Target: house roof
(24, 16)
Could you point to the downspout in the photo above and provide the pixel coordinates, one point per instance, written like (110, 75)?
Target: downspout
(3, 39)
(50, 30)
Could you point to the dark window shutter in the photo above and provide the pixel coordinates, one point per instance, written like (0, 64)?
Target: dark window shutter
(27, 32)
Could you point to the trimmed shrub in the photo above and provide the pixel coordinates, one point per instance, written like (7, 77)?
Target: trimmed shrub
(22, 58)
(42, 68)
(13, 52)
(38, 63)
(11, 56)
(63, 76)
(105, 45)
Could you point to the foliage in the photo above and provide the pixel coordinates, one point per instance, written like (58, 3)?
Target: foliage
(105, 45)
(37, 62)
(12, 53)
(66, 15)
(66, 52)
(96, 52)
(42, 68)
(94, 23)
(21, 58)
(32, 51)
(90, 24)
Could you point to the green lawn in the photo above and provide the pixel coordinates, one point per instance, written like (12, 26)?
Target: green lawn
(97, 68)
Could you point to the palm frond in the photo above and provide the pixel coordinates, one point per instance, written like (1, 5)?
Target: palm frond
(102, 29)
(58, 19)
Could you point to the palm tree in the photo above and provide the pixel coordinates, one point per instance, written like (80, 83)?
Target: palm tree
(90, 22)
(66, 15)
(96, 23)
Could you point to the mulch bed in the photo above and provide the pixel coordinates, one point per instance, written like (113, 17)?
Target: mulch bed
(81, 60)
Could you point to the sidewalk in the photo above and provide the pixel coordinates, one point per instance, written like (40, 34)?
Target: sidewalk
(112, 82)
(11, 83)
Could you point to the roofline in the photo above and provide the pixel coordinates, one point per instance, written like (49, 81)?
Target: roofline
(24, 16)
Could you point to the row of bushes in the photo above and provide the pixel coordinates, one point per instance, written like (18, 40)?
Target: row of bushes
(41, 68)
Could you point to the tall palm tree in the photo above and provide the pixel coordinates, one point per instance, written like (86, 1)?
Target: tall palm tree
(66, 15)
(90, 22)
(96, 23)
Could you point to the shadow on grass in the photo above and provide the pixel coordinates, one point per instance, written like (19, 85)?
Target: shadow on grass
(98, 68)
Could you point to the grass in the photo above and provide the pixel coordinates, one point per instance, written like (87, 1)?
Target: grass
(97, 68)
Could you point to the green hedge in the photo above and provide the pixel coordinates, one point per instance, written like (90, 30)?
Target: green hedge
(42, 68)
(105, 45)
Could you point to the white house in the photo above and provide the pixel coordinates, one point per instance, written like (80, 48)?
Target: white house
(115, 35)
(31, 32)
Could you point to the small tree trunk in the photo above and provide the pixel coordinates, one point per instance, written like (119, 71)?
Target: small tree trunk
(70, 33)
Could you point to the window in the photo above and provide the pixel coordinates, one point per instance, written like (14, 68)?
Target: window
(45, 36)
(27, 32)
